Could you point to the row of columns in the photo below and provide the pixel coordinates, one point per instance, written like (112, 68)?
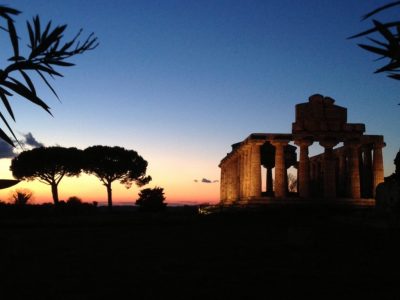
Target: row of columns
(241, 172)
(351, 171)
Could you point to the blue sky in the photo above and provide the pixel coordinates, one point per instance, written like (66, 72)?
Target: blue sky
(180, 81)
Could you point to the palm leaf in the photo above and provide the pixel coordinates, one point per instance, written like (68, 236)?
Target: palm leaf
(6, 138)
(28, 81)
(48, 84)
(36, 23)
(9, 10)
(378, 42)
(46, 31)
(374, 49)
(374, 29)
(389, 67)
(394, 76)
(379, 9)
(31, 35)
(384, 31)
(3, 97)
(8, 126)
(20, 89)
(13, 38)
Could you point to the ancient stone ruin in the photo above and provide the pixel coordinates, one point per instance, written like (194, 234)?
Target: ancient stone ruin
(351, 165)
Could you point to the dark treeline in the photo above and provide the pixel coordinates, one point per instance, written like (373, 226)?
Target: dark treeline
(50, 165)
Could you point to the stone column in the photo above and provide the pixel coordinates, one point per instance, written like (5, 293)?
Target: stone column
(361, 171)
(329, 168)
(255, 170)
(354, 169)
(270, 188)
(241, 177)
(246, 172)
(367, 170)
(303, 173)
(280, 168)
(229, 181)
(222, 187)
(342, 173)
(378, 165)
(312, 170)
(236, 181)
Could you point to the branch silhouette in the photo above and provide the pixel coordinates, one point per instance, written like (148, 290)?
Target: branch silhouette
(389, 46)
(47, 51)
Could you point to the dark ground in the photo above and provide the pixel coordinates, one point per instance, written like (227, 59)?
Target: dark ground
(272, 253)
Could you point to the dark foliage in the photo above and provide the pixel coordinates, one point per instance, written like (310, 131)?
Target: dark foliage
(21, 197)
(397, 164)
(389, 47)
(151, 199)
(115, 163)
(48, 165)
(47, 50)
(74, 200)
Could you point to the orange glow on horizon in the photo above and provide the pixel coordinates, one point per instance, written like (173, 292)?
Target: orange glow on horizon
(178, 189)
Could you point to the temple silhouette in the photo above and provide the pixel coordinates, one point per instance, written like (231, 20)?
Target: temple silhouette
(352, 170)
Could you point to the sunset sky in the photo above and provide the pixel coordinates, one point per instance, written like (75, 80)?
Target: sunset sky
(180, 81)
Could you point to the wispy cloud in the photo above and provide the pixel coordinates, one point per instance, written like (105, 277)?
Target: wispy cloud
(205, 180)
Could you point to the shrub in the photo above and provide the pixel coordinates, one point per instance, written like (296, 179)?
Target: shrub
(74, 200)
(21, 197)
(151, 199)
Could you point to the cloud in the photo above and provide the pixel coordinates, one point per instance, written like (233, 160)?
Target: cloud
(31, 141)
(6, 150)
(205, 180)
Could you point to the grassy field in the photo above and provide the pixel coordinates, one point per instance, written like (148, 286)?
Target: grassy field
(269, 253)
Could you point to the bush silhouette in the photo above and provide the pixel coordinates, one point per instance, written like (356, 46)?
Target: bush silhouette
(151, 199)
(74, 200)
(21, 197)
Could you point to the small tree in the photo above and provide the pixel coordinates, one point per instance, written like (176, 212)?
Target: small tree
(21, 197)
(48, 165)
(151, 199)
(115, 163)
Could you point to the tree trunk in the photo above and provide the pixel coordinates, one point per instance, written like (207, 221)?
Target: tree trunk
(54, 192)
(109, 196)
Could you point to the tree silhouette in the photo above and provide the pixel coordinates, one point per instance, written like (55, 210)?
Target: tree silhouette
(115, 163)
(46, 51)
(48, 165)
(151, 199)
(389, 47)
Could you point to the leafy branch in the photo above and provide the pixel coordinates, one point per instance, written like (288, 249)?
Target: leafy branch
(389, 47)
(47, 51)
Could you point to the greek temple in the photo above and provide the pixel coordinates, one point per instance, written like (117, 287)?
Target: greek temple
(350, 167)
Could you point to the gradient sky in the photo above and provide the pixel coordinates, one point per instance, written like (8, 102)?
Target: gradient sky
(180, 81)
